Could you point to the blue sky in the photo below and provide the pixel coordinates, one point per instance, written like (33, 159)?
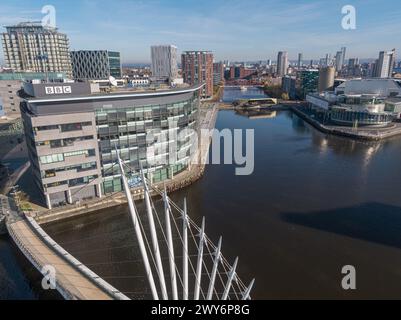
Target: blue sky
(232, 29)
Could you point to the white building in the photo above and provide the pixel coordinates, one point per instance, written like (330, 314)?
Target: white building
(385, 64)
(282, 63)
(164, 62)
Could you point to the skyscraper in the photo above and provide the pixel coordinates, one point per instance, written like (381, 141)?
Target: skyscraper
(343, 50)
(339, 61)
(164, 62)
(282, 63)
(384, 65)
(95, 64)
(197, 68)
(29, 46)
(300, 57)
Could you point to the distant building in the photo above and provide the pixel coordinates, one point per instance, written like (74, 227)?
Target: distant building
(384, 65)
(344, 51)
(240, 72)
(309, 80)
(218, 73)
(282, 63)
(378, 87)
(164, 62)
(11, 83)
(300, 57)
(339, 61)
(197, 68)
(95, 64)
(362, 102)
(326, 79)
(31, 47)
(288, 86)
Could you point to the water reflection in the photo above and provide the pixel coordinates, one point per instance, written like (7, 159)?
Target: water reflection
(314, 204)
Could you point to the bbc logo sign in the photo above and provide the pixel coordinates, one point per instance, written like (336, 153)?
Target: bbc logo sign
(58, 90)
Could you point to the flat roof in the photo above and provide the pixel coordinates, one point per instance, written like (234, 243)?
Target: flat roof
(111, 95)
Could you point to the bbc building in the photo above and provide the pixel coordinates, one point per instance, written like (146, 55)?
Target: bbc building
(73, 131)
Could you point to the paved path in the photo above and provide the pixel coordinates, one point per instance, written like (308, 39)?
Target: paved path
(75, 283)
(67, 276)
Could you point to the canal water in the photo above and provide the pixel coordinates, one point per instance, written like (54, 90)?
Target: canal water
(314, 204)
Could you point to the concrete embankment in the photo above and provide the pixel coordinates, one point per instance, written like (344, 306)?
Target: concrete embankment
(367, 134)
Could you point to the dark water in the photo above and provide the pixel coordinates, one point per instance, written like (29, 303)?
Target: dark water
(313, 204)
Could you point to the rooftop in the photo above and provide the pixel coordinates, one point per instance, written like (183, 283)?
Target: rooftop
(81, 91)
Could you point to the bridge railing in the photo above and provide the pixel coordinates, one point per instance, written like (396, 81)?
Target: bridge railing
(66, 294)
(98, 281)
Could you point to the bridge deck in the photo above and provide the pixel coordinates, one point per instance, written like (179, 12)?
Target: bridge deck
(69, 278)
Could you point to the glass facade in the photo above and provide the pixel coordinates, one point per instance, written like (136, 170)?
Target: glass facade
(361, 118)
(144, 134)
(115, 64)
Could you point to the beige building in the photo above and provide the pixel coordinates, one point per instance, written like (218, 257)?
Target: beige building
(30, 47)
(10, 84)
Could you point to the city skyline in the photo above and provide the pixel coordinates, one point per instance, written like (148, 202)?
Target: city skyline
(235, 30)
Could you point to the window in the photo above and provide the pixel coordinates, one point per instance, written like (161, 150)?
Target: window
(52, 158)
(44, 128)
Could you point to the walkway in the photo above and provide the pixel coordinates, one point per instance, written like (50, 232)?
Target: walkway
(74, 281)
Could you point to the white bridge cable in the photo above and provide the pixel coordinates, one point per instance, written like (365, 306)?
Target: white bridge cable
(226, 265)
(138, 226)
(182, 240)
(244, 290)
(208, 242)
(155, 242)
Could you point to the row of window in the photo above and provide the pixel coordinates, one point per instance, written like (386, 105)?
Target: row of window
(72, 182)
(65, 127)
(61, 156)
(79, 168)
(62, 142)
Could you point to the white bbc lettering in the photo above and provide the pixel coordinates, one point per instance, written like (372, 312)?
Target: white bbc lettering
(58, 90)
(67, 89)
(49, 90)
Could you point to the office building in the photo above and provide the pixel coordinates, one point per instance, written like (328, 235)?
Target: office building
(282, 63)
(384, 65)
(164, 62)
(197, 68)
(11, 83)
(309, 80)
(31, 47)
(326, 79)
(95, 64)
(72, 130)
